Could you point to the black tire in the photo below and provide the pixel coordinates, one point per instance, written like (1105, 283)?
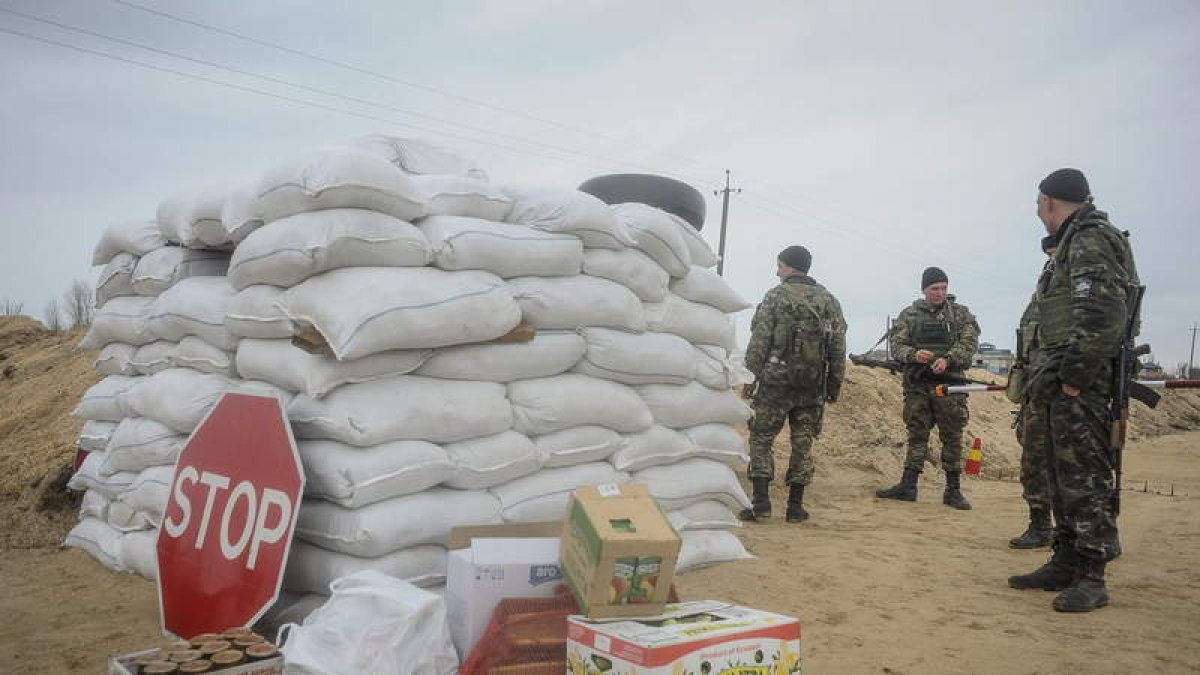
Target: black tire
(668, 194)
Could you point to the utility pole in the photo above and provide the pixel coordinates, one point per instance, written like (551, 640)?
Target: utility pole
(1192, 353)
(724, 219)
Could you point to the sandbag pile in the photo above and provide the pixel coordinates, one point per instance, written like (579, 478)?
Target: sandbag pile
(450, 353)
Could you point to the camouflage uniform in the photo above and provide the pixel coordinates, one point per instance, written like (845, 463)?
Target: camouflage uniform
(799, 309)
(1083, 302)
(949, 331)
(1031, 425)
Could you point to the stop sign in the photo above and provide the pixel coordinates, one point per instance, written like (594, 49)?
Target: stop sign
(227, 526)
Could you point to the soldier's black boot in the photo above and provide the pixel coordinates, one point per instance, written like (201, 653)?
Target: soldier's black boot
(1040, 532)
(953, 495)
(795, 508)
(760, 501)
(905, 490)
(1087, 593)
(1058, 572)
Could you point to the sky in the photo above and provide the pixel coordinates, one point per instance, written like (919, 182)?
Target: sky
(885, 137)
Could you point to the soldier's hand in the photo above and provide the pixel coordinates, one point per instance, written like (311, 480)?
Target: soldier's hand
(923, 355)
(1069, 390)
(831, 397)
(939, 366)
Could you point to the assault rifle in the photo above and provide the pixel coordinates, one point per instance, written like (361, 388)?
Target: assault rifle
(918, 371)
(1124, 368)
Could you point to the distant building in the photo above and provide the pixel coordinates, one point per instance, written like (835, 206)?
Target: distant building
(994, 360)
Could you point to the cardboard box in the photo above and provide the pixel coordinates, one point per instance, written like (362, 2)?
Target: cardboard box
(691, 637)
(490, 566)
(618, 551)
(124, 665)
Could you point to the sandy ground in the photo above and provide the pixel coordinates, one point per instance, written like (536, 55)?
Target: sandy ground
(881, 587)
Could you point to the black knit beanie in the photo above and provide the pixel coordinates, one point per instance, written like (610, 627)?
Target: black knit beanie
(931, 276)
(797, 258)
(1069, 185)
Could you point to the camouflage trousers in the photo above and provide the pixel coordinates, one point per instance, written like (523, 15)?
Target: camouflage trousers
(923, 411)
(772, 407)
(1032, 433)
(1082, 482)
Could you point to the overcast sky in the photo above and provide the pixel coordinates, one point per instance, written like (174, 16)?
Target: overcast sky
(883, 136)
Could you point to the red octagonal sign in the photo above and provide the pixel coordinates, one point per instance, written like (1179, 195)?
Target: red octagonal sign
(229, 518)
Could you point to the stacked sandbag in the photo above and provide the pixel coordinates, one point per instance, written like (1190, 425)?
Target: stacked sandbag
(160, 330)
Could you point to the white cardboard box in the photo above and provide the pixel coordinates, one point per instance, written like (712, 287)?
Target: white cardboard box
(691, 637)
(482, 574)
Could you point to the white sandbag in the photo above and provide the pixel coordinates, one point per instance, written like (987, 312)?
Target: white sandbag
(701, 548)
(310, 569)
(255, 313)
(698, 249)
(354, 477)
(718, 441)
(107, 399)
(154, 357)
(95, 434)
(162, 268)
(333, 178)
(126, 519)
(652, 447)
(194, 353)
(449, 195)
(418, 157)
(116, 359)
(693, 480)
(179, 398)
(283, 364)
(548, 353)
(205, 216)
(636, 358)
(405, 407)
(240, 213)
(695, 322)
(503, 249)
(688, 405)
(116, 279)
(138, 554)
(631, 268)
(483, 462)
(577, 445)
(99, 540)
(147, 494)
(173, 220)
(121, 319)
(577, 301)
(544, 495)
(194, 306)
(137, 237)
(393, 524)
(94, 505)
(548, 404)
(292, 249)
(715, 369)
(707, 287)
(706, 515)
(89, 478)
(364, 310)
(139, 443)
(656, 235)
(570, 212)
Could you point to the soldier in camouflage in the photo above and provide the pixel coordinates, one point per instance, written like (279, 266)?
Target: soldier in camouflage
(1083, 301)
(1030, 427)
(936, 335)
(797, 353)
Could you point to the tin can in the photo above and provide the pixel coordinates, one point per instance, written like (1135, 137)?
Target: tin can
(622, 579)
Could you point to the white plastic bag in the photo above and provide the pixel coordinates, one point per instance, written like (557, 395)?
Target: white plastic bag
(373, 623)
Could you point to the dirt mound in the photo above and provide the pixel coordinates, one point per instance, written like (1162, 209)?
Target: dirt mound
(42, 377)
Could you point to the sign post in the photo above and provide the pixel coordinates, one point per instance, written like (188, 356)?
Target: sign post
(227, 527)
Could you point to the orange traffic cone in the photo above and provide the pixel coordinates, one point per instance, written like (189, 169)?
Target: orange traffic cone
(974, 457)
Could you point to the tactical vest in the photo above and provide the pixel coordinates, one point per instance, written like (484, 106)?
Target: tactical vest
(1055, 290)
(935, 332)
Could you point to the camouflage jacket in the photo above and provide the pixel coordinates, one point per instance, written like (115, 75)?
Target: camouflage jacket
(948, 330)
(1084, 296)
(799, 310)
